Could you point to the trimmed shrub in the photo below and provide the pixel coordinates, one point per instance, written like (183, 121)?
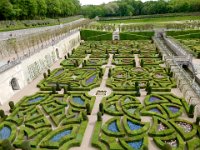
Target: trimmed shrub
(197, 120)
(12, 106)
(136, 84)
(49, 72)
(100, 74)
(58, 88)
(6, 145)
(145, 148)
(167, 147)
(101, 108)
(149, 90)
(45, 75)
(191, 111)
(68, 55)
(109, 73)
(65, 57)
(134, 64)
(88, 108)
(99, 116)
(84, 115)
(198, 55)
(54, 90)
(69, 87)
(142, 63)
(26, 145)
(2, 113)
(65, 90)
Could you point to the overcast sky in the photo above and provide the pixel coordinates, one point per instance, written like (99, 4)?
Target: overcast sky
(97, 2)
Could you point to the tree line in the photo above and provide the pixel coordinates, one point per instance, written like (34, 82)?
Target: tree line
(37, 9)
(135, 7)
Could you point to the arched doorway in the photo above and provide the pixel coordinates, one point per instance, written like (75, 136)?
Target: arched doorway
(57, 53)
(14, 83)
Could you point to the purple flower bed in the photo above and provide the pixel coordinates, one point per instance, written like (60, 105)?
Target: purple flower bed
(113, 127)
(78, 100)
(59, 72)
(133, 126)
(91, 79)
(136, 144)
(37, 99)
(173, 109)
(131, 110)
(155, 110)
(153, 99)
(5, 133)
(60, 135)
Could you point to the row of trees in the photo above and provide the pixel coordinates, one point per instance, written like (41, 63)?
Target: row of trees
(135, 7)
(36, 9)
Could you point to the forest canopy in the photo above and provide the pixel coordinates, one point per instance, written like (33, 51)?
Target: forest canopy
(38, 9)
(136, 7)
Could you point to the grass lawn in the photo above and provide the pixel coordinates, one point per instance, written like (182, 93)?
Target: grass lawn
(159, 20)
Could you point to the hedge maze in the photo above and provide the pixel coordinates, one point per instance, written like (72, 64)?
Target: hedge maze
(141, 109)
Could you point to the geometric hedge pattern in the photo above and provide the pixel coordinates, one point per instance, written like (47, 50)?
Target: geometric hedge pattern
(55, 119)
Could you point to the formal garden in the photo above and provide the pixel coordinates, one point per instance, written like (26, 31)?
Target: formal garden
(140, 113)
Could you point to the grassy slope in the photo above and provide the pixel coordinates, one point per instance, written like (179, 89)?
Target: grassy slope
(21, 25)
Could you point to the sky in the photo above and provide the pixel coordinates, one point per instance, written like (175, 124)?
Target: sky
(97, 2)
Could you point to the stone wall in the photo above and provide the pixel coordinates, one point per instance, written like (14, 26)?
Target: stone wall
(32, 67)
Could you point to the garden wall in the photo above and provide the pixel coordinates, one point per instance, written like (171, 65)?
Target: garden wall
(16, 78)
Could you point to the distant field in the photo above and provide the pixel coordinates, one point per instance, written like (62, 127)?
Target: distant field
(25, 24)
(154, 20)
